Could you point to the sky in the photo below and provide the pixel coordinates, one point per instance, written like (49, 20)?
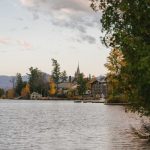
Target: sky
(32, 32)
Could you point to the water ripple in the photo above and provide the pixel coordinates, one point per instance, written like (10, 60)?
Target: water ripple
(44, 125)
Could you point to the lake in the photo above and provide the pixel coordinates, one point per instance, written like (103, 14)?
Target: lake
(65, 125)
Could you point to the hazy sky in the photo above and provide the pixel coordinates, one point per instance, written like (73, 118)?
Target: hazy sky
(34, 31)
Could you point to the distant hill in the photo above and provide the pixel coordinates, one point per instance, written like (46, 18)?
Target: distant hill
(5, 81)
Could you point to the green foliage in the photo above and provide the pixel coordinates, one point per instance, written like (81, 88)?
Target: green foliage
(81, 84)
(19, 84)
(34, 78)
(2, 92)
(57, 75)
(115, 76)
(38, 82)
(56, 71)
(63, 76)
(127, 27)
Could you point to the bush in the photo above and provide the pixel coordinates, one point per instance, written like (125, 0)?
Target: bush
(117, 99)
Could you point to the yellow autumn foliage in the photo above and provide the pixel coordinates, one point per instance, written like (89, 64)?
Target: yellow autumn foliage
(115, 78)
(52, 90)
(115, 62)
(10, 94)
(25, 91)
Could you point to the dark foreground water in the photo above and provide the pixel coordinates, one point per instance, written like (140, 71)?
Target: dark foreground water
(62, 125)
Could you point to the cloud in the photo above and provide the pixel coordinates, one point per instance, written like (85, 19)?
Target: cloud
(70, 25)
(24, 44)
(28, 3)
(20, 19)
(9, 41)
(72, 14)
(85, 38)
(4, 40)
(89, 39)
(25, 28)
(58, 5)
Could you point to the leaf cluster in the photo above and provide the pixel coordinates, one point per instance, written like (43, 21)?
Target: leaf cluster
(126, 24)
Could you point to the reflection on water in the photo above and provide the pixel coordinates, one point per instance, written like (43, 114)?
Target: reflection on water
(63, 125)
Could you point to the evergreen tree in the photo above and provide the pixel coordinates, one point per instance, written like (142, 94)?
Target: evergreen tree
(38, 82)
(81, 84)
(34, 77)
(63, 76)
(2, 92)
(19, 84)
(56, 74)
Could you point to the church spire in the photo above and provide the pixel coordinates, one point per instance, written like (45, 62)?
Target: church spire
(78, 69)
(77, 73)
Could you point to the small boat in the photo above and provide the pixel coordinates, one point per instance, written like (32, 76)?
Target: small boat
(77, 101)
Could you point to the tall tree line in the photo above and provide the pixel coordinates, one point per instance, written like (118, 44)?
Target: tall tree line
(126, 26)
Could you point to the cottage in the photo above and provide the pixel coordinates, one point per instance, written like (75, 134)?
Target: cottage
(35, 96)
(98, 87)
(65, 85)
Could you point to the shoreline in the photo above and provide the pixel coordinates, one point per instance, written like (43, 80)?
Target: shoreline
(77, 100)
(71, 99)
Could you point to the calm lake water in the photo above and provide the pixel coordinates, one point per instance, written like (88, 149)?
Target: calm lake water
(63, 125)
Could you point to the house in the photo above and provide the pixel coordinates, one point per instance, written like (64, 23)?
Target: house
(64, 87)
(67, 88)
(98, 87)
(35, 96)
(103, 83)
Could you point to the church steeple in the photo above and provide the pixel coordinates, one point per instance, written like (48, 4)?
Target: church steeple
(77, 73)
(78, 69)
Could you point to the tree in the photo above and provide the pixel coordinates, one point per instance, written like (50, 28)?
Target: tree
(56, 74)
(26, 91)
(115, 64)
(63, 76)
(37, 81)
(13, 80)
(52, 90)
(10, 94)
(2, 92)
(43, 84)
(126, 26)
(81, 84)
(34, 78)
(19, 84)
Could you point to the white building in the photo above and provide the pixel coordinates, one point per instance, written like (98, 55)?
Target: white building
(35, 96)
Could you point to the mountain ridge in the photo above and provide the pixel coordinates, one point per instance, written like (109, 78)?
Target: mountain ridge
(5, 81)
